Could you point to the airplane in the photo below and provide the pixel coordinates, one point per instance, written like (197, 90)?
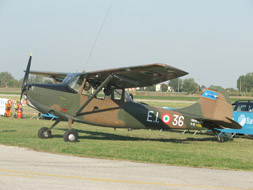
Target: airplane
(70, 99)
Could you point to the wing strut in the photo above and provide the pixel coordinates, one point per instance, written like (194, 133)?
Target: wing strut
(107, 80)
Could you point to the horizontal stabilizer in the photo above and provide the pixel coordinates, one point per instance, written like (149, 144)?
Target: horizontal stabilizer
(221, 124)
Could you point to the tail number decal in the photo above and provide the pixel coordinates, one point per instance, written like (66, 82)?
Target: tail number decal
(152, 118)
(178, 120)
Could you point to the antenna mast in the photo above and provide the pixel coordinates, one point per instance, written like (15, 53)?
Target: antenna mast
(100, 29)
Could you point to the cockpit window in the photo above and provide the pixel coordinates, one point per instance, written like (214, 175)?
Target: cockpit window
(73, 80)
(128, 98)
(117, 95)
(120, 94)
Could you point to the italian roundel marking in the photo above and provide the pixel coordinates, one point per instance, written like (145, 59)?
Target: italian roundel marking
(166, 118)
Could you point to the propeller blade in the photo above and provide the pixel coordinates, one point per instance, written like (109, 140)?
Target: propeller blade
(27, 71)
(26, 76)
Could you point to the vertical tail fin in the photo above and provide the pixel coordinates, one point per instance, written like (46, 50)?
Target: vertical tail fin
(215, 104)
(214, 109)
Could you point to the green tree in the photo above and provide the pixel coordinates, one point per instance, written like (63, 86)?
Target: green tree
(176, 84)
(164, 87)
(39, 79)
(35, 79)
(7, 80)
(245, 83)
(150, 88)
(190, 86)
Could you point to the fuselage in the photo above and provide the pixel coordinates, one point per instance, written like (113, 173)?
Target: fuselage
(117, 110)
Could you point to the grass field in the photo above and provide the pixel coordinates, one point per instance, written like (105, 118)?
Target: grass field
(165, 147)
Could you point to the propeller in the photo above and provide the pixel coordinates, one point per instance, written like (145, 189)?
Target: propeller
(26, 76)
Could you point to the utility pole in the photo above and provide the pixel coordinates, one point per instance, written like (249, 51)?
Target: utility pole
(240, 85)
(178, 85)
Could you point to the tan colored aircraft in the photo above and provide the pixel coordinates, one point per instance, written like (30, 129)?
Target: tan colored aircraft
(71, 100)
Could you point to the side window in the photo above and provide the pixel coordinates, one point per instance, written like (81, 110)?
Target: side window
(117, 94)
(242, 107)
(251, 107)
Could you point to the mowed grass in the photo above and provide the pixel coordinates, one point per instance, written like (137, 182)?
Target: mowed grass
(165, 147)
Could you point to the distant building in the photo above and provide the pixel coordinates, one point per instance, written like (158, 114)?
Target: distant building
(158, 87)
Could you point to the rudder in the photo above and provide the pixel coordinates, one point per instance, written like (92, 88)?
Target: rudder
(215, 104)
(213, 109)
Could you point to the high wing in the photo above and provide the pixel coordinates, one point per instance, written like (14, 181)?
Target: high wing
(137, 76)
(127, 77)
(57, 76)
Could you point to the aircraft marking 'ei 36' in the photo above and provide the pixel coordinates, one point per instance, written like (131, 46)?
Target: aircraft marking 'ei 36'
(71, 101)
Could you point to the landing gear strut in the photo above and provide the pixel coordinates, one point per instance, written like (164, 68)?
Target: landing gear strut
(221, 137)
(70, 135)
(45, 132)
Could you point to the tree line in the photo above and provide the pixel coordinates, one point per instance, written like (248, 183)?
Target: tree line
(8, 81)
(188, 85)
(177, 85)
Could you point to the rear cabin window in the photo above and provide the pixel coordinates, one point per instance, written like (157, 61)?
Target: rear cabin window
(121, 94)
(117, 94)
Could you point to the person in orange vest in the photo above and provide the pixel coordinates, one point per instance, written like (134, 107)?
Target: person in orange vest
(18, 110)
(8, 109)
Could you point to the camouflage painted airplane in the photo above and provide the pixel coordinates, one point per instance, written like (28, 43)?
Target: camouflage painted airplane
(70, 100)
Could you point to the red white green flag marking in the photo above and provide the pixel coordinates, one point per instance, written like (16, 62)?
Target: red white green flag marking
(166, 118)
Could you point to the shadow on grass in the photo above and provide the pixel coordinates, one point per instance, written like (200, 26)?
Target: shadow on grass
(109, 136)
(8, 131)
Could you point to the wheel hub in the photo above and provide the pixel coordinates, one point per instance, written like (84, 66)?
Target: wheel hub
(46, 134)
(71, 137)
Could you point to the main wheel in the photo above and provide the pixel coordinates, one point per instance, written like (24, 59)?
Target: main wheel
(44, 133)
(70, 136)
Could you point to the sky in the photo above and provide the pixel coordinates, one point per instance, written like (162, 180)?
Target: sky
(211, 40)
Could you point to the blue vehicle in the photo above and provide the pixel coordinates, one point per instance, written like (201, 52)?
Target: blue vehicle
(243, 114)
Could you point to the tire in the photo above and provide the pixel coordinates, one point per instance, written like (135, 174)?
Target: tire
(221, 139)
(70, 136)
(43, 133)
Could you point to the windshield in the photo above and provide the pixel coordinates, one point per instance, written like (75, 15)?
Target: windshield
(128, 98)
(73, 81)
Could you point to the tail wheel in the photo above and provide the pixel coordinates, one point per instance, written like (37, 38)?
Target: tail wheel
(44, 133)
(220, 138)
(70, 136)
